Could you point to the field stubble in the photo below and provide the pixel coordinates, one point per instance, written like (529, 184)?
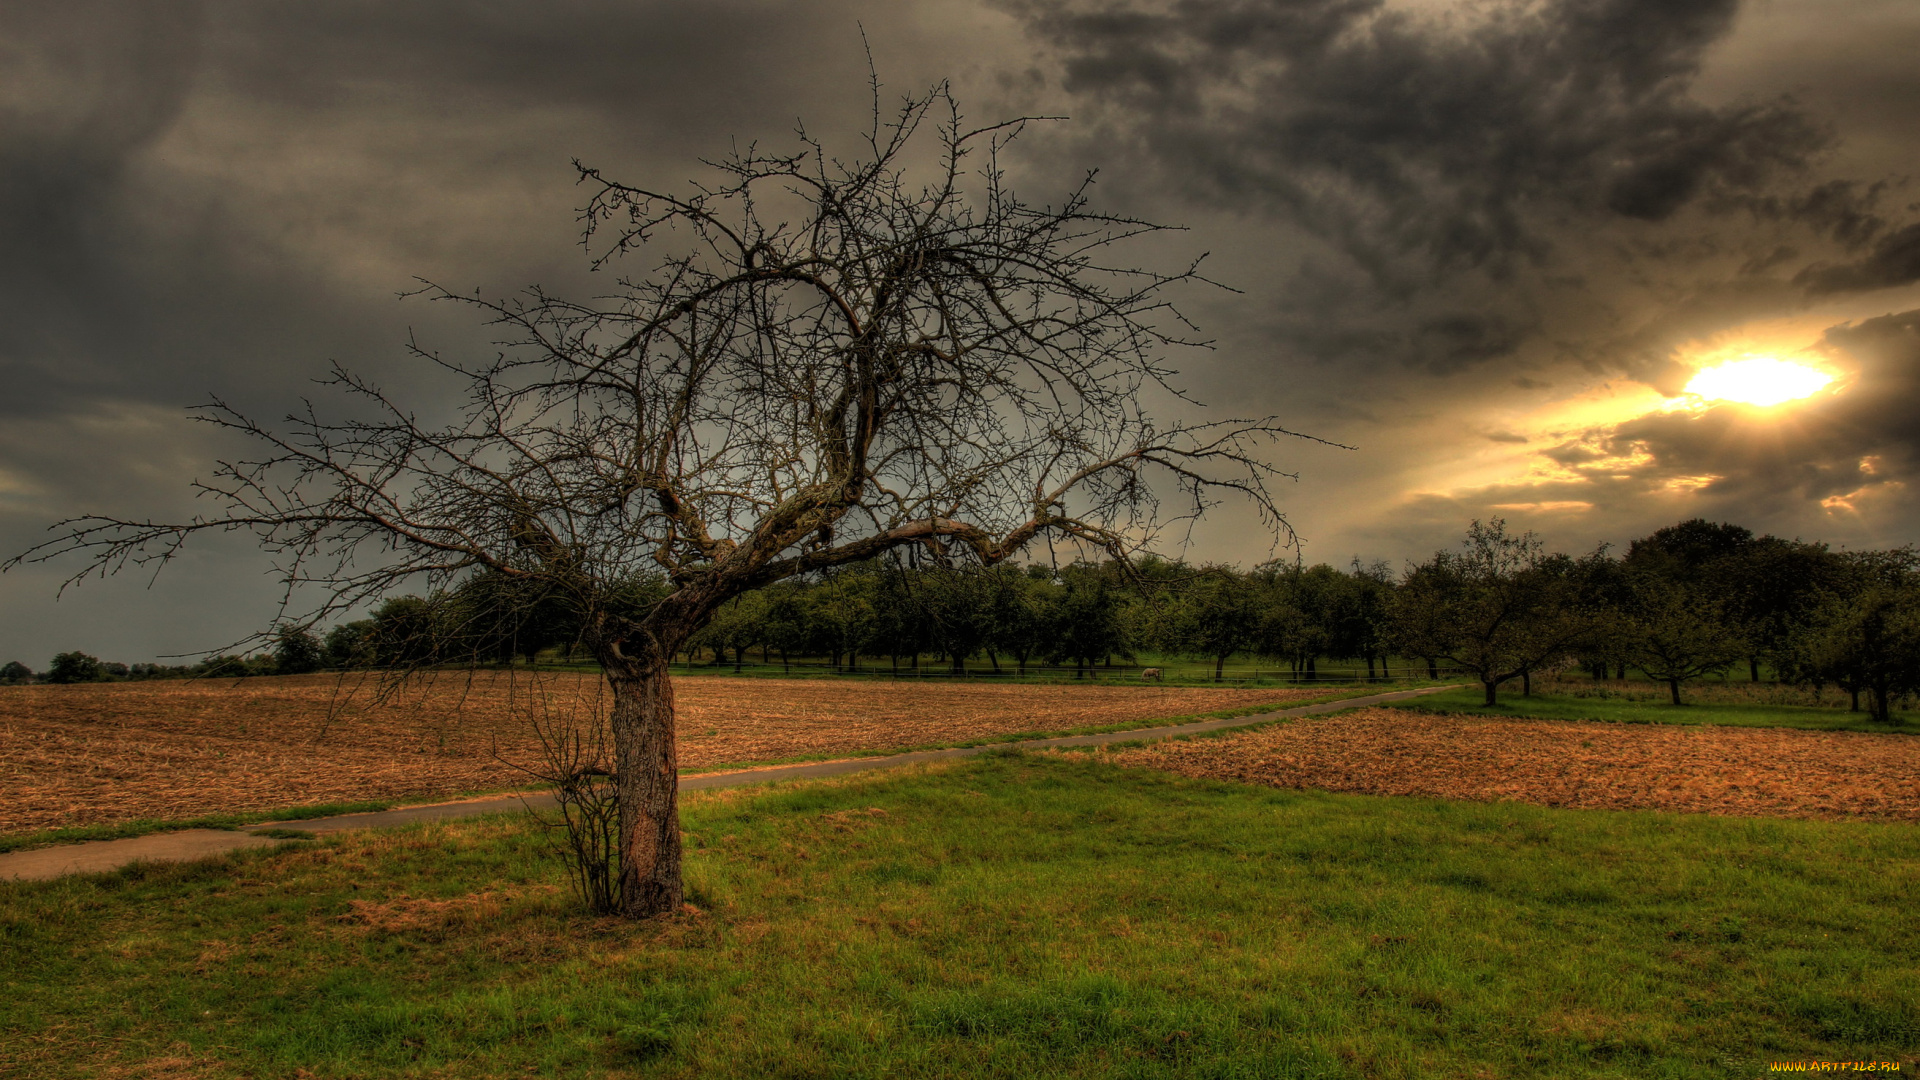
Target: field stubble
(105, 753)
(1760, 772)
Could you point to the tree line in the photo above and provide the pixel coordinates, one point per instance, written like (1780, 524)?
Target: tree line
(1694, 599)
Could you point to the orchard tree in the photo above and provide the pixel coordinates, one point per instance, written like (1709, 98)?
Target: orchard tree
(1500, 607)
(1675, 634)
(815, 361)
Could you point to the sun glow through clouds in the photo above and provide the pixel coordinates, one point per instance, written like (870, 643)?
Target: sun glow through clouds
(1758, 380)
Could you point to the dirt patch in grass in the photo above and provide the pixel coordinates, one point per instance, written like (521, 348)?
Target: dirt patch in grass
(103, 753)
(1772, 772)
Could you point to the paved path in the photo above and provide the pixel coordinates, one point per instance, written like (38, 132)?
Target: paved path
(97, 856)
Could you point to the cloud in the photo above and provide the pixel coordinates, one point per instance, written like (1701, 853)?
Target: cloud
(1895, 260)
(1456, 140)
(1855, 449)
(1513, 186)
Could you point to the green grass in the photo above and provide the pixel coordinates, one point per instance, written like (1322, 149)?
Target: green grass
(1707, 704)
(1012, 916)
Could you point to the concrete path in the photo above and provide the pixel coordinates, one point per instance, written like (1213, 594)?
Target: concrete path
(97, 856)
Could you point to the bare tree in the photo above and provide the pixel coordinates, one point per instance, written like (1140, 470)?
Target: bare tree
(823, 361)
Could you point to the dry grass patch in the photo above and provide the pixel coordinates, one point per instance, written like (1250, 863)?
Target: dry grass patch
(1755, 772)
(103, 753)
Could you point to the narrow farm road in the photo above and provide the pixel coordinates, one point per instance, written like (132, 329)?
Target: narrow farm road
(99, 856)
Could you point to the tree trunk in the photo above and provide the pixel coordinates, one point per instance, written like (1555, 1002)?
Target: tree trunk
(1526, 683)
(1491, 686)
(1433, 670)
(739, 658)
(1880, 702)
(1313, 674)
(1219, 662)
(1753, 668)
(1854, 693)
(1620, 671)
(647, 781)
(1673, 688)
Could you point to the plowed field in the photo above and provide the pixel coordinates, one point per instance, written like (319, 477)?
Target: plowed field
(97, 753)
(1713, 770)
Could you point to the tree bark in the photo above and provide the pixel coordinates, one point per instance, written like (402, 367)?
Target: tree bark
(647, 781)
(1673, 688)
(1219, 662)
(1526, 683)
(1491, 686)
(1753, 668)
(1433, 670)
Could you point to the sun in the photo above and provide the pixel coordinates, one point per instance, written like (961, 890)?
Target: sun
(1758, 380)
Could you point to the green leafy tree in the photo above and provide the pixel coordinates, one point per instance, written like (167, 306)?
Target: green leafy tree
(1216, 615)
(296, 651)
(75, 667)
(1866, 637)
(350, 645)
(1085, 619)
(15, 673)
(1500, 607)
(1675, 635)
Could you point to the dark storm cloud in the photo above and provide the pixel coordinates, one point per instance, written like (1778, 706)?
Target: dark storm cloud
(1458, 142)
(87, 86)
(1895, 260)
(1538, 174)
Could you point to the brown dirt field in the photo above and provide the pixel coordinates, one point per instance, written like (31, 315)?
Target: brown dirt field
(109, 752)
(1752, 772)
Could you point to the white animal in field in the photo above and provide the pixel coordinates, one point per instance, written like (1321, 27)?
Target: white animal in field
(1151, 674)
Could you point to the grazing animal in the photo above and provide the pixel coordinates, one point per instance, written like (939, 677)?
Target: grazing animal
(1151, 674)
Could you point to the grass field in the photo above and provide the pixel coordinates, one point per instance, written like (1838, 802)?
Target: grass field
(1010, 917)
(1732, 703)
(124, 755)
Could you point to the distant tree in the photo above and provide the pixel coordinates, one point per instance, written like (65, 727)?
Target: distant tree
(296, 651)
(74, 667)
(842, 617)
(350, 645)
(1216, 615)
(224, 666)
(15, 673)
(410, 632)
(1675, 634)
(737, 625)
(1022, 601)
(1866, 637)
(1500, 607)
(1356, 616)
(1085, 619)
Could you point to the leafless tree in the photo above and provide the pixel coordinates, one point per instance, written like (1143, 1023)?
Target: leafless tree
(823, 360)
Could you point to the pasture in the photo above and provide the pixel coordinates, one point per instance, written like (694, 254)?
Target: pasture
(1013, 916)
(1724, 702)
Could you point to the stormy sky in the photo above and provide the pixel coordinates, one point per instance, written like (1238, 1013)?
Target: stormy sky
(1486, 244)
